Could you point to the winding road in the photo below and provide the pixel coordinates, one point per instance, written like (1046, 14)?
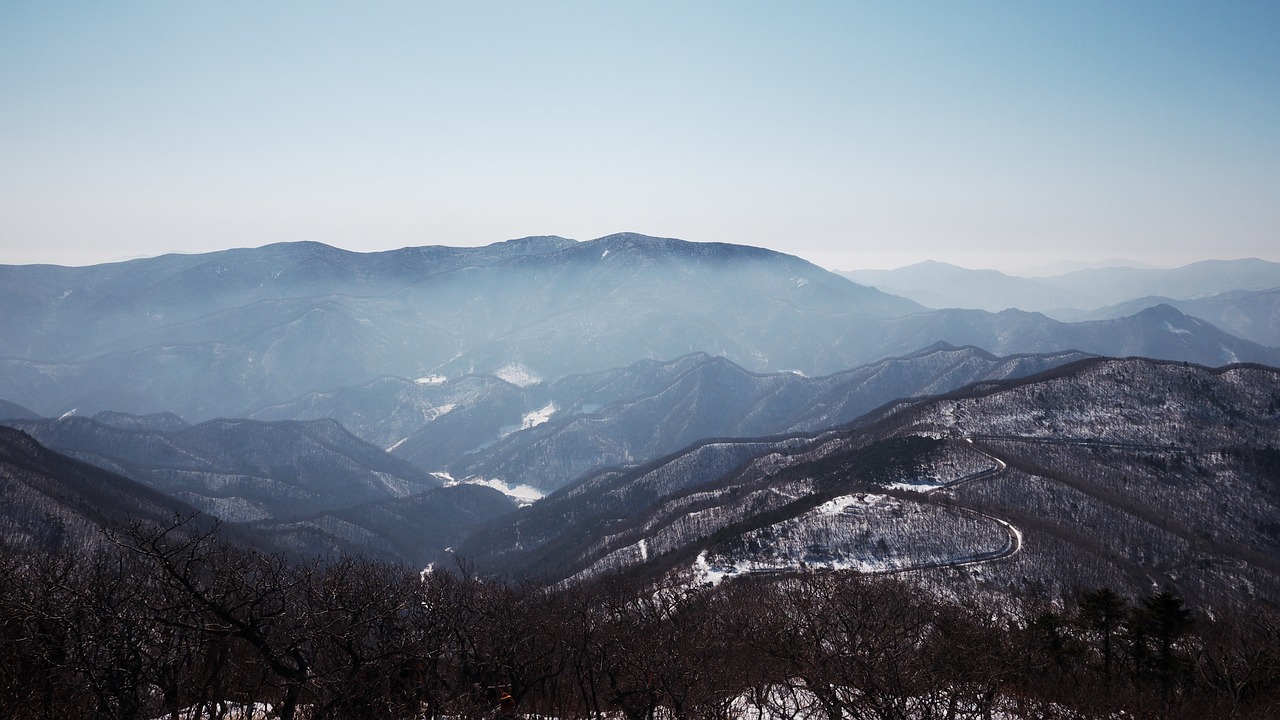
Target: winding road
(1012, 546)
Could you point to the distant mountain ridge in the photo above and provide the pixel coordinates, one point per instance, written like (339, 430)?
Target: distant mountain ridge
(713, 398)
(237, 470)
(233, 333)
(1072, 295)
(1249, 314)
(226, 333)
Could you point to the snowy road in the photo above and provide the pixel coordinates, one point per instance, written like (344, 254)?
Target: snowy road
(1012, 546)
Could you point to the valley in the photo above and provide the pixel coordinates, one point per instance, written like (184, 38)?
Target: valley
(702, 421)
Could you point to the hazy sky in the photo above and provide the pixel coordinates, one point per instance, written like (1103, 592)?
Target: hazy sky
(852, 134)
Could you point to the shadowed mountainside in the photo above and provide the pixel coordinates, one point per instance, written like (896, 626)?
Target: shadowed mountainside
(228, 334)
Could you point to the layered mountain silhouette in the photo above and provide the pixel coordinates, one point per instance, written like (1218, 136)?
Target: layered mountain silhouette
(1073, 294)
(546, 435)
(237, 470)
(1250, 314)
(50, 502)
(228, 334)
(1099, 473)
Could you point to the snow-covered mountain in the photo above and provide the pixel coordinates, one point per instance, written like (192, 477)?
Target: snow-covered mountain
(1119, 473)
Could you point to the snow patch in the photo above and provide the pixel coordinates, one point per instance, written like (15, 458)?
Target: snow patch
(604, 254)
(518, 375)
(537, 417)
(801, 282)
(1176, 330)
(704, 574)
(844, 502)
(524, 495)
(920, 485)
(68, 413)
(432, 380)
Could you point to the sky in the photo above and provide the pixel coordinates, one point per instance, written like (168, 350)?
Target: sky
(853, 134)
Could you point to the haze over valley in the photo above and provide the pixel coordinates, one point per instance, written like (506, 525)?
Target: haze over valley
(605, 361)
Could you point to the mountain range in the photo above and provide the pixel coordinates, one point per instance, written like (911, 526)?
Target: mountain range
(1070, 295)
(237, 470)
(1118, 473)
(557, 410)
(228, 334)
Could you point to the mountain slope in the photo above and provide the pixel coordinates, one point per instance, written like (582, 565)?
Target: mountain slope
(1072, 295)
(1253, 315)
(1108, 286)
(230, 334)
(1113, 473)
(16, 411)
(941, 285)
(239, 470)
(708, 397)
(413, 530)
(49, 501)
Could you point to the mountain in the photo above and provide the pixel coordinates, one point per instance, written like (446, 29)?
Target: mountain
(1253, 315)
(704, 397)
(413, 530)
(238, 470)
(1062, 267)
(548, 434)
(1075, 295)
(227, 333)
(941, 285)
(15, 411)
(62, 313)
(1104, 472)
(1112, 285)
(49, 501)
(1159, 332)
(230, 334)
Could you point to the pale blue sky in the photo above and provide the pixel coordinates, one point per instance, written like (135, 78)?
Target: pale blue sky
(852, 134)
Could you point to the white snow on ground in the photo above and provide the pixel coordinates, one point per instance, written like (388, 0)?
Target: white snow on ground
(537, 417)
(518, 375)
(228, 710)
(920, 485)
(704, 574)
(844, 502)
(68, 414)
(1176, 331)
(430, 414)
(432, 380)
(525, 495)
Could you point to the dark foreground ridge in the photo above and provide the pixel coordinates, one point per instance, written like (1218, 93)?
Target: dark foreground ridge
(163, 622)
